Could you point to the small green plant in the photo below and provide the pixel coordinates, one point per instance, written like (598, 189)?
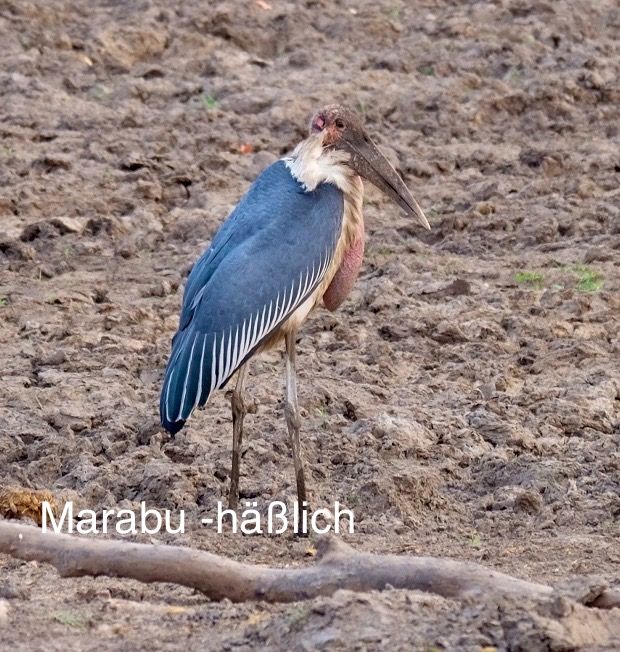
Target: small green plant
(208, 101)
(428, 71)
(100, 92)
(321, 410)
(3, 302)
(588, 280)
(475, 541)
(384, 250)
(69, 619)
(535, 279)
(352, 500)
(516, 74)
(298, 616)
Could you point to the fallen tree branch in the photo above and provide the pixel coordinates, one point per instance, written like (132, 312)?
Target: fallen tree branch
(339, 567)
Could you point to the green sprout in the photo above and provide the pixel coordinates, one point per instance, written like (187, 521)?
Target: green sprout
(394, 13)
(298, 616)
(209, 101)
(475, 541)
(535, 279)
(352, 500)
(69, 619)
(384, 250)
(428, 71)
(588, 280)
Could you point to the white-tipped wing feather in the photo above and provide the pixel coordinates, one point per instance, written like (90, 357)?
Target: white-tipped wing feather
(264, 263)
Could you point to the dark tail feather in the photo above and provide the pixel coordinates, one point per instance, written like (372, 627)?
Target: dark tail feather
(173, 426)
(183, 379)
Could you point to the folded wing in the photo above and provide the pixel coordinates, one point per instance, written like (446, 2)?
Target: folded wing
(264, 262)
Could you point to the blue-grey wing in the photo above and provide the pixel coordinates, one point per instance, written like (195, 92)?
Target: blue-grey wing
(264, 262)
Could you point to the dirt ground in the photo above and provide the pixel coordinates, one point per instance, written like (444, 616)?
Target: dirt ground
(464, 401)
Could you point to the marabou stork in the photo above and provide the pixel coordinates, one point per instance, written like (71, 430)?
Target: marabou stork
(296, 239)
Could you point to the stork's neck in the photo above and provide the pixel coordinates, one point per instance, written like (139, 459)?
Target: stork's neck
(312, 165)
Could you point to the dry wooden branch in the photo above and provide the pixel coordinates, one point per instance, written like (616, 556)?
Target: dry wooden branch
(339, 567)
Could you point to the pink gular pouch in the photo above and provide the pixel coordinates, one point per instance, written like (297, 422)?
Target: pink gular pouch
(347, 273)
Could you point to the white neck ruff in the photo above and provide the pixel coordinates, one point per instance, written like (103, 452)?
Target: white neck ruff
(312, 165)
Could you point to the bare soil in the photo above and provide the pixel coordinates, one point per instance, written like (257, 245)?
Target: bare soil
(464, 401)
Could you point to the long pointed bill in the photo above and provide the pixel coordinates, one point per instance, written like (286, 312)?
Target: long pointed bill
(370, 163)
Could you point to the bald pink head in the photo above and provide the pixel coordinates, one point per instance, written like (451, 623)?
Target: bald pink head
(342, 129)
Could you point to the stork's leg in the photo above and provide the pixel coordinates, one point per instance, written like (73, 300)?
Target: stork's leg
(239, 410)
(293, 420)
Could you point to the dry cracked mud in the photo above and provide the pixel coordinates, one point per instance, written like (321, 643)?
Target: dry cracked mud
(464, 401)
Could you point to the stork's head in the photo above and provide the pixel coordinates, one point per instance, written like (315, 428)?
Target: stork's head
(342, 129)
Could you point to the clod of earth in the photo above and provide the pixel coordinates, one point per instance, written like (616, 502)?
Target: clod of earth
(19, 503)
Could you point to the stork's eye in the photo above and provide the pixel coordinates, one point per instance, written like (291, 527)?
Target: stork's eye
(340, 123)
